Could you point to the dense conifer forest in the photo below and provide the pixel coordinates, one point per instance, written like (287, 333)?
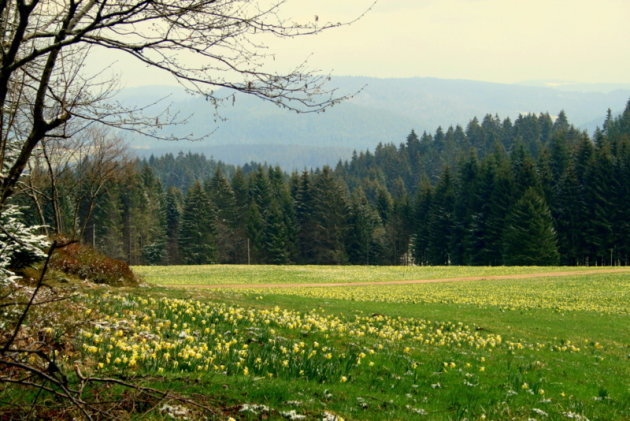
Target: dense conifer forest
(534, 191)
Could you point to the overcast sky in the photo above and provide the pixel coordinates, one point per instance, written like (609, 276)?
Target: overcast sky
(506, 41)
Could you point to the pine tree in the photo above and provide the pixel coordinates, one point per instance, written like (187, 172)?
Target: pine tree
(384, 203)
(440, 220)
(398, 232)
(304, 210)
(275, 238)
(172, 214)
(420, 225)
(260, 190)
(561, 124)
(501, 201)
(559, 155)
(622, 207)
(602, 188)
(329, 220)
(362, 221)
(569, 212)
(478, 237)
(529, 237)
(255, 234)
(463, 209)
(108, 225)
(197, 235)
(222, 196)
(154, 236)
(283, 201)
(547, 180)
(132, 204)
(524, 171)
(241, 198)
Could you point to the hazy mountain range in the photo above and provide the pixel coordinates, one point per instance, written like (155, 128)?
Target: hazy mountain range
(385, 110)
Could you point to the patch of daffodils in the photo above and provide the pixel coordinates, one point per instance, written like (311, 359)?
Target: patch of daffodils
(600, 294)
(158, 335)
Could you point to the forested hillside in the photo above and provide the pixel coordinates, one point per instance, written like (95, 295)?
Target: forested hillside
(382, 110)
(426, 156)
(535, 191)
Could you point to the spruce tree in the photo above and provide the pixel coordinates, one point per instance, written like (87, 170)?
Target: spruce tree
(529, 237)
(500, 203)
(440, 220)
(464, 208)
(304, 209)
(329, 219)
(398, 232)
(222, 196)
(241, 198)
(153, 219)
(275, 238)
(569, 210)
(255, 234)
(420, 225)
(172, 214)
(477, 237)
(108, 229)
(197, 235)
(602, 189)
(133, 203)
(362, 221)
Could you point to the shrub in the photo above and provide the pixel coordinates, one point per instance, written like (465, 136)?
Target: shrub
(86, 263)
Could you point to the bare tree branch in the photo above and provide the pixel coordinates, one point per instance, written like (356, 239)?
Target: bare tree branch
(46, 98)
(46, 41)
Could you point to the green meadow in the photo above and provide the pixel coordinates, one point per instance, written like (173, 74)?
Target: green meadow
(268, 274)
(555, 348)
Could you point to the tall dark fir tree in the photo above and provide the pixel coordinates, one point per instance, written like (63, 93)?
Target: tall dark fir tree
(529, 237)
(197, 235)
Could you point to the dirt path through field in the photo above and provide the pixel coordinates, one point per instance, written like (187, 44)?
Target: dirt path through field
(416, 281)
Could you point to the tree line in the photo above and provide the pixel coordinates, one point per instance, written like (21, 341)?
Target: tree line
(533, 192)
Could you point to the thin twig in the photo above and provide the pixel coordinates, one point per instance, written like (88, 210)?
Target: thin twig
(40, 281)
(162, 394)
(52, 300)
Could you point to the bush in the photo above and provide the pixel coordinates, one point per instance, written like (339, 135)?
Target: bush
(86, 263)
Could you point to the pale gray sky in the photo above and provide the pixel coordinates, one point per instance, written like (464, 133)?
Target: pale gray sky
(503, 41)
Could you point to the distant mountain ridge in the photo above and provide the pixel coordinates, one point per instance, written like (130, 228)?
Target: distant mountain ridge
(384, 111)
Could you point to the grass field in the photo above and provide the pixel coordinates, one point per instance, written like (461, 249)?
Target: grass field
(542, 348)
(261, 274)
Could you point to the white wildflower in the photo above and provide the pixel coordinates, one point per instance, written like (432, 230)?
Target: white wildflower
(575, 416)
(292, 415)
(418, 411)
(540, 412)
(254, 408)
(176, 412)
(329, 416)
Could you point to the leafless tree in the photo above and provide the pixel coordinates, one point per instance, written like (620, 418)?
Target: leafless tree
(204, 44)
(45, 96)
(73, 172)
